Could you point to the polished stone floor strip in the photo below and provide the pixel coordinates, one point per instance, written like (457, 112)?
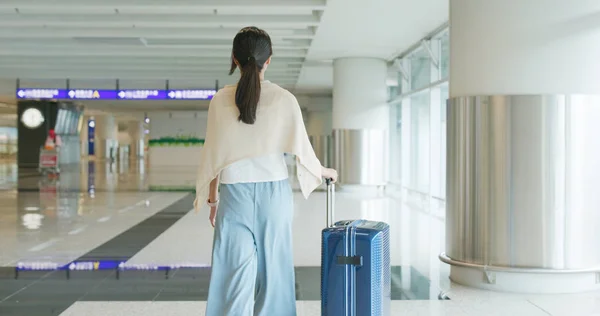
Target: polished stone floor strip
(50, 293)
(130, 242)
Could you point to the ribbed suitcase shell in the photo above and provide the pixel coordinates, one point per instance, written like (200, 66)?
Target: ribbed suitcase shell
(370, 293)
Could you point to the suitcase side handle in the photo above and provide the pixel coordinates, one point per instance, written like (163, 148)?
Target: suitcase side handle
(330, 202)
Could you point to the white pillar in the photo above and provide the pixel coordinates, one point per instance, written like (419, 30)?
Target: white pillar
(511, 47)
(136, 133)
(319, 123)
(360, 94)
(360, 120)
(522, 159)
(319, 131)
(106, 136)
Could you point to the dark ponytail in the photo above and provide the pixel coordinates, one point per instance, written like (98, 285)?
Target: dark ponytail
(251, 50)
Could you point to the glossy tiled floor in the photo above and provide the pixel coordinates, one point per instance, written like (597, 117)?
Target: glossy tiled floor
(109, 215)
(472, 305)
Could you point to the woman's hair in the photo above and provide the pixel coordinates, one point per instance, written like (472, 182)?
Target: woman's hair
(251, 49)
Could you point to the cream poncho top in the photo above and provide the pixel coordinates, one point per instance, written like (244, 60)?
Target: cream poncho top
(279, 128)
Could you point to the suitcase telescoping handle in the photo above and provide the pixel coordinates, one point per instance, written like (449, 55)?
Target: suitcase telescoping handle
(330, 202)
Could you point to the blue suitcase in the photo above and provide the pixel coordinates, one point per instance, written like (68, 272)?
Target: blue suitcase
(355, 266)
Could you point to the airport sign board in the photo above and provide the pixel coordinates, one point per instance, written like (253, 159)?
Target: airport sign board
(102, 94)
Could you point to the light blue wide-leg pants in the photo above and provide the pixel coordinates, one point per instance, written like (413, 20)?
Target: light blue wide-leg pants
(252, 260)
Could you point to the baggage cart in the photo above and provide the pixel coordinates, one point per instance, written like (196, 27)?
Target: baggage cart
(49, 161)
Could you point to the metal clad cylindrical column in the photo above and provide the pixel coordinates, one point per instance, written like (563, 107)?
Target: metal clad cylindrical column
(360, 121)
(522, 191)
(322, 146)
(319, 129)
(360, 156)
(522, 152)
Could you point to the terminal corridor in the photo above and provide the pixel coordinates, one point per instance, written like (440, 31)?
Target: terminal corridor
(459, 136)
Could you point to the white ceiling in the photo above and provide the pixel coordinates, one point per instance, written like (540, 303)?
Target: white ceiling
(374, 28)
(145, 42)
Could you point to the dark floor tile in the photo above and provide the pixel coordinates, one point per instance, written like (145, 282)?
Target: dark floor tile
(190, 297)
(130, 275)
(186, 285)
(130, 242)
(32, 275)
(46, 292)
(308, 283)
(176, 291)
(130, 290)
(11, 287)
(18, 284)
(201, 274)
(19, 309)
(7, 273)
(95, 276)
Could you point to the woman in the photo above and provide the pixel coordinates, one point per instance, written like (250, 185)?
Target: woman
(250, 127)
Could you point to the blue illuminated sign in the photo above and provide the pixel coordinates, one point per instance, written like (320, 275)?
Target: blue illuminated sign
(91, 137)
(91, 94)
(99, 94)
(191, 94)
(142, 94)
(32, 93)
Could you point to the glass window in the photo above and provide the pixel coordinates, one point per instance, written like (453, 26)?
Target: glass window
(444, 99)
(400, 81)
(419, 142)
(392, 92)
(419, 123)
(8, 141)
(445, 55)
(420, 70)
(443, 135)
(396, 143)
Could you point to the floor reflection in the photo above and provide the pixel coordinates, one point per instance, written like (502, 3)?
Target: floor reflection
(89, 176)
(8, 174)
(100, 211)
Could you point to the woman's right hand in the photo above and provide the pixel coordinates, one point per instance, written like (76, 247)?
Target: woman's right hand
(213, 215)
(329, 173)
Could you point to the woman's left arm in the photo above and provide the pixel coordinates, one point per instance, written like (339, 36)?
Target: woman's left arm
(213, 199)
(213, 193)
(205, 157)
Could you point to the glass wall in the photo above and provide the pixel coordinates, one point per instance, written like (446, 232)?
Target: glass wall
(419, 121)
(8, 142)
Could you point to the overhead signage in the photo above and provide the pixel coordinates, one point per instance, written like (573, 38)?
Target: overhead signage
(191, 94)
(91, 94)
(98, 94)
(142, 94)
(32, 93)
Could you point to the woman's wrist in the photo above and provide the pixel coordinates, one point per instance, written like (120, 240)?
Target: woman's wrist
(212, 202)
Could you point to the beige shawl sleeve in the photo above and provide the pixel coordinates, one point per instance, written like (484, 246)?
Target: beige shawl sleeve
(279, 128)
